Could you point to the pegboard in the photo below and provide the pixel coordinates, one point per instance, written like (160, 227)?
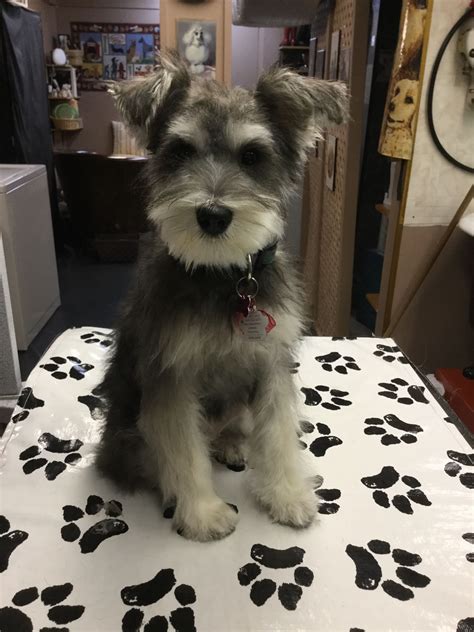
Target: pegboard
(331, 216)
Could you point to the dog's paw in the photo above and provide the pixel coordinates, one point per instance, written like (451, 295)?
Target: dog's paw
(231, 454)
(206, 520)
(292, 505)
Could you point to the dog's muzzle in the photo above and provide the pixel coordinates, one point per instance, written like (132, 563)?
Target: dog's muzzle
(214, 220)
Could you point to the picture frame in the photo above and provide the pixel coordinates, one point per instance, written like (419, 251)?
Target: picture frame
(319, 63)
(331, 154)
(334, 55)
(114, 51)
(196, 43)
(313, 47)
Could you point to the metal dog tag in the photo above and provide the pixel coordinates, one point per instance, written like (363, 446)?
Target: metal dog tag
(256, 325)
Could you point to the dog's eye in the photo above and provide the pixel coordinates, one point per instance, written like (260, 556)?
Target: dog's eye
(249, 157)
(182, 151)
(409, 100)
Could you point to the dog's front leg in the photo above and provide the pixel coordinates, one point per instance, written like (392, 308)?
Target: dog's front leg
(279, 482)
(179, 462)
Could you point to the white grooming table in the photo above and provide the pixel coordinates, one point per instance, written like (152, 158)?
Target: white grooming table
(392, 549)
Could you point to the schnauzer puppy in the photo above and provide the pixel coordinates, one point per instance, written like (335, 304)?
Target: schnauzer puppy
(201, 362)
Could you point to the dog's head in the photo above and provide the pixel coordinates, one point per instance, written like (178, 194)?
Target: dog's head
(224, 161)
(196, 36)
(402, 105)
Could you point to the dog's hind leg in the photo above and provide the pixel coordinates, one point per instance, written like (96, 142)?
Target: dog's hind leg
(279, 481)
(178, 460)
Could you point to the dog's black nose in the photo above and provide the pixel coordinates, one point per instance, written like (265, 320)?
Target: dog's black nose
(214, 219)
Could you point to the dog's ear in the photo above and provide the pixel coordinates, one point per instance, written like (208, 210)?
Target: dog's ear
(295, 103)
(146, 104)
(188, 36)
(207, 38)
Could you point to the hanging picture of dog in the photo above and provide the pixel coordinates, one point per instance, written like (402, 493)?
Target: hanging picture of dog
(113, 52)
(331, 148)
(196, 43)
(398, 127)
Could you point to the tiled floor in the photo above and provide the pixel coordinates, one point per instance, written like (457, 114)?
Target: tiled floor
(90, 295)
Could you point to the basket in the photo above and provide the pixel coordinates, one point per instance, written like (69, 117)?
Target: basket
(65, 125)
(74, 57)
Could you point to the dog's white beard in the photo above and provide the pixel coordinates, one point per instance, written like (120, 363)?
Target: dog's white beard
(256, 223)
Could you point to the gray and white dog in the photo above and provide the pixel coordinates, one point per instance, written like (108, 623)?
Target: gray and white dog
(188, 378)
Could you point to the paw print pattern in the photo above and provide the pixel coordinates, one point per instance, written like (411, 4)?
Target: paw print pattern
(51, 444)
(387, 478)
(58, 367)
(335, 362)
(294, 367)
(28, 402)
(289, 593)
(93, 403)
(317, 395)
(459, 460)
(340, 338)
(328, 497)
(469, 537)
(16, 619)
(99, 531)
(406, 432)
(9, 541)
(326, 440)
(96, 337)
(150, 592)
(390, 354)
(369, 573)
(403, 392)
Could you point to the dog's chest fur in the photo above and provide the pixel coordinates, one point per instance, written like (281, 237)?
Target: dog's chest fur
(182, 322)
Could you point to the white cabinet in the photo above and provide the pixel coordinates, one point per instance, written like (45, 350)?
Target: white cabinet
(26, 228)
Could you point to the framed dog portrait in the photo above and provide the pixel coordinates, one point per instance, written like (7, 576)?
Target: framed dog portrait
(331, 149)
(196, 43)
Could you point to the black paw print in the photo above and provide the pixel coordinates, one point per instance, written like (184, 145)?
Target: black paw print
(28, 402)
(465, 625)
(340, 338)
(328, 496)
(50, 443)
(93, 403)
(150, 592)
(406, 432)
(98, 532)
(469, 537)
(369, 572)
(455, 466)
(77, 371)
(386, 478)
(331, 362)
(289, 593)
(336, 398)
(321, 444)
(9, 541)
(390, 354)
(412, 393)
(97, 337)
(51, 596)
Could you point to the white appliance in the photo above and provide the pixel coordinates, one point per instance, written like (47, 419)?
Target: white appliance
(26, 228)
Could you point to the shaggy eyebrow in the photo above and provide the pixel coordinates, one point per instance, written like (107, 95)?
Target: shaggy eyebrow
(245, 134)
(183, 130)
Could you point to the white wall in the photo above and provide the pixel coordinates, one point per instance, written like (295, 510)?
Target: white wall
(253, 50)
(436, 187)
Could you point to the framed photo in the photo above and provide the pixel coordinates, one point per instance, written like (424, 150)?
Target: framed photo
(334, 58)
(64, 42)
(114, 51)
(345, 64)
(331, 148)
(319, 64)
(196, 43)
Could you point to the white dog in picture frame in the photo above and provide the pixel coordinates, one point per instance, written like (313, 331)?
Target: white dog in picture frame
(196, 52)
(398, 139)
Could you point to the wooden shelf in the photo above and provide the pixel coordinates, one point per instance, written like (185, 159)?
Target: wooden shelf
(294, 47)
(373, 300)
